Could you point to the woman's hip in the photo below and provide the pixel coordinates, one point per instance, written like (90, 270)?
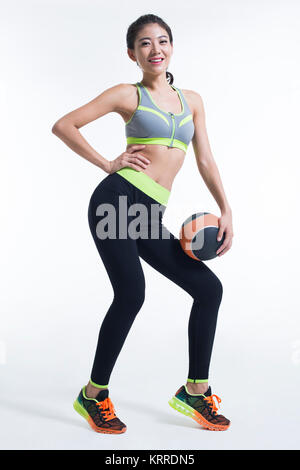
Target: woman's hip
(118, 202)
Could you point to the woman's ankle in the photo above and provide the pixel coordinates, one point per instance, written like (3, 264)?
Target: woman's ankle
(197, 388)
(91, 391)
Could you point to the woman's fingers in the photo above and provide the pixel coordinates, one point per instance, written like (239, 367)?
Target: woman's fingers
(138, 159)
(136, 167)
(134, 148)
(225, 245)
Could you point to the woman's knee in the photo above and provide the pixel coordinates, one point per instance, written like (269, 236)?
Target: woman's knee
(136, 298)
(132, 298)
(209, 288)
(218, 288)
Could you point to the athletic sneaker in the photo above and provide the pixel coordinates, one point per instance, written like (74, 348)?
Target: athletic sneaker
(99, 412)
(200, 407)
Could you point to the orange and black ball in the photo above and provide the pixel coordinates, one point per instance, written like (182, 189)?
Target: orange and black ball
(198, 236)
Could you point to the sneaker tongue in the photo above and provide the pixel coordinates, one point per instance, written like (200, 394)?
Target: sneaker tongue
(102, 395)
(208, 392)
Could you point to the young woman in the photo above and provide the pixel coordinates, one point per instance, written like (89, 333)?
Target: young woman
(160, 121)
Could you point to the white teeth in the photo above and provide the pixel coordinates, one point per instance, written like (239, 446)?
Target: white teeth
(156, 60)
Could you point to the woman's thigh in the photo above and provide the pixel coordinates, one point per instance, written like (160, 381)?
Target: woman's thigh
(166, 256)
(119, 255)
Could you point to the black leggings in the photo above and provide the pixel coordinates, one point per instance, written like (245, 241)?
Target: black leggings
(121, 258)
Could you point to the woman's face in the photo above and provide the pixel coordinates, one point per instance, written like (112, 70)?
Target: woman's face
(152, 41)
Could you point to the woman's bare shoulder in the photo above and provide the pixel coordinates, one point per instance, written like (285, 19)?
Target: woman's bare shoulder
(126, 99)
(119, 91)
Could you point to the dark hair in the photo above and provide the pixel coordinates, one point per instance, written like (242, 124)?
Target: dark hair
(138, 24)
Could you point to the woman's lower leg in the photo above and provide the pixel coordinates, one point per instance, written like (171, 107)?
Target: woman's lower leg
(201, 329)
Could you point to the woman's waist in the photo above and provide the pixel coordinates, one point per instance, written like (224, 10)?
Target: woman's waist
(165, 163)
(162, 179)
(145, 183)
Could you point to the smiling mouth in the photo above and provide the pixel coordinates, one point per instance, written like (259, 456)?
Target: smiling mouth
(156, 61)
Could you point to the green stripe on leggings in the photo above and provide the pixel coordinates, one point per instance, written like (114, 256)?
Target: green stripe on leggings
(197, 381)
(97, 385)
(146, 184)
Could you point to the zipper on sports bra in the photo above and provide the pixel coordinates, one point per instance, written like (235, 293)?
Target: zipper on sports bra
(173, 130)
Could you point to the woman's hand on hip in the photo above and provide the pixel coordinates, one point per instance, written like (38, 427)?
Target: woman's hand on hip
(129, 158)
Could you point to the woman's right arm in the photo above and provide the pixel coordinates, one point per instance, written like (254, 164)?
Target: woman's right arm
(67, 129)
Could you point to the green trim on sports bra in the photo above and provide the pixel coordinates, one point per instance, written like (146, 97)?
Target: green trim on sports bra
(140, 97)
(145, 108)
(157, 141)
(166, 112)
(186, 119)
(168, 132)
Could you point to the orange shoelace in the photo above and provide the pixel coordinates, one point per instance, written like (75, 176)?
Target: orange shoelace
(212, 403)
(108, 408)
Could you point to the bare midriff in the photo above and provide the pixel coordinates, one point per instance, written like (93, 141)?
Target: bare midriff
(165, 163)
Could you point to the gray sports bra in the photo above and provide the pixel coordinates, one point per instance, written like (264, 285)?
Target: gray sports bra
(151, 125)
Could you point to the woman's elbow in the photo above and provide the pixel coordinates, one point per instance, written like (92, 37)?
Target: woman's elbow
(59, 126)
(56, 128)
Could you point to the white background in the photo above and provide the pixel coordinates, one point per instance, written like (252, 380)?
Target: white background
(242, 57)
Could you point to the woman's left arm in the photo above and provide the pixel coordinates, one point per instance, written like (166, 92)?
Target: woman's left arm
(210, 173)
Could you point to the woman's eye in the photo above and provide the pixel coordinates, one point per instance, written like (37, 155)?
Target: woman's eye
(146, 43)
